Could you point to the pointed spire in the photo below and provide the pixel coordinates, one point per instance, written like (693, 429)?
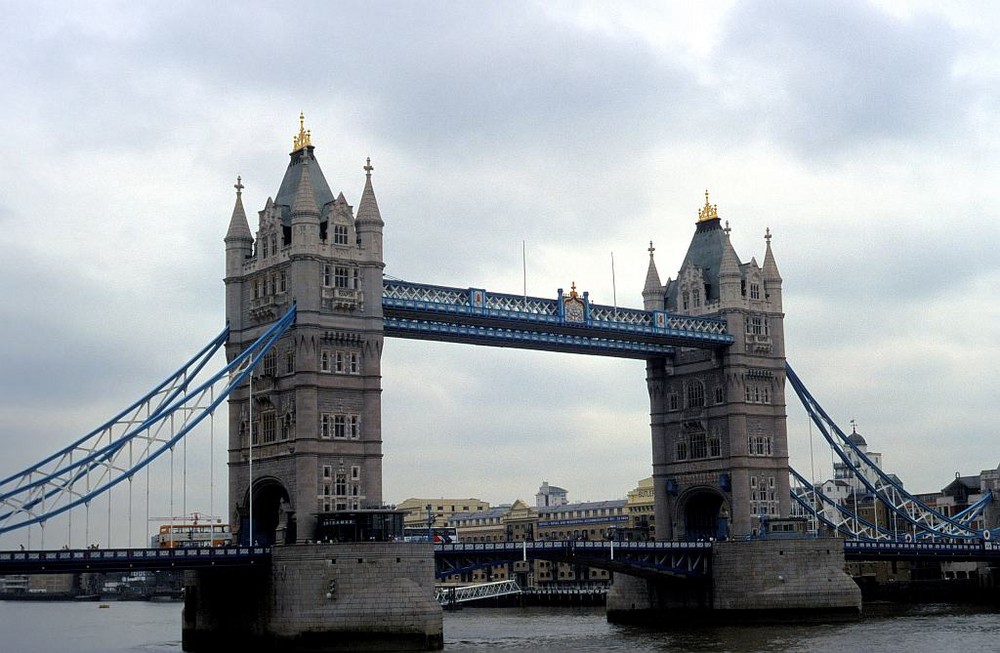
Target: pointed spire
(652, 276)
(368, 207)
(653, 292)
(304, 203)
(770, 267)
(729, 266)
(239, 227)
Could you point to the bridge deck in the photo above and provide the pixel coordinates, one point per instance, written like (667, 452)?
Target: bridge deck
(475, 316)
(104, 560)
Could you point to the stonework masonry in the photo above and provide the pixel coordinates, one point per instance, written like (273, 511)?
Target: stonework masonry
(751, 581)
(319, 597)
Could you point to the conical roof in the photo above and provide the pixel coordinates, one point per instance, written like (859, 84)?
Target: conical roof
(368, 207)
(322, 196)
(239, 227)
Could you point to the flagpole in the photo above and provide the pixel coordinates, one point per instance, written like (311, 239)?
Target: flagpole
(524, 274)
(250, 540)
(614, 290)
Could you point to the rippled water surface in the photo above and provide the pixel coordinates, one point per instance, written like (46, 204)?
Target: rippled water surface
(134, 627)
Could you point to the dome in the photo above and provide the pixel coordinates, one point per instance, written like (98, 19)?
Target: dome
(856, 439)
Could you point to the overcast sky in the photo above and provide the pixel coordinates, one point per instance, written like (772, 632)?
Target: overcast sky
(863, 134)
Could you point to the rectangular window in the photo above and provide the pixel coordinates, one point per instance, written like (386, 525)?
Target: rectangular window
(354, 424)
(340, 277)
(355, 364)
(267, 427)
(338, 362)
(339, 234)
(327, 471)
(325, 425)
(282, 282)
(289, 361)
(355, 472)
(324, 361)
(270, 367)
(340, 426)
(327, 275)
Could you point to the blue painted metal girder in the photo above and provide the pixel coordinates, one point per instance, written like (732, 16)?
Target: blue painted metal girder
(423, 311)
(522, 338)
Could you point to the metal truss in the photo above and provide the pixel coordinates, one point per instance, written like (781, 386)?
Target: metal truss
(523, 339)
(922, 521)
(687, 560)
(451, 595)
(128, 442)
(476, 316)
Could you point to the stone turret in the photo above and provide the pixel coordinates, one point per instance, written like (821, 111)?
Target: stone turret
(239, 248)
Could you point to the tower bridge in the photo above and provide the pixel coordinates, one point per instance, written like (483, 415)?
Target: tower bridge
(308, 306)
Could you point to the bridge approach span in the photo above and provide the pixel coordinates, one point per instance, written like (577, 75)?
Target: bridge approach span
(685, 560)
(108, 560)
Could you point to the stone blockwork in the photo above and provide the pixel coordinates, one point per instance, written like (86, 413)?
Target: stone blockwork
(751, 581)
(764, 576)
(321, 597)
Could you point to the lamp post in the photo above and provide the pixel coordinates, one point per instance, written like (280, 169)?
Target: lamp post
(430, 524)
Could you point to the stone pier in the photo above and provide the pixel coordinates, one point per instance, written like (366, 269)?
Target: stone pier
(318, 598)
(763, 580)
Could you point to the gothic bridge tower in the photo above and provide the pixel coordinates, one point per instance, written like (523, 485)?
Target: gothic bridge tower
(311, 434)
(720, 453)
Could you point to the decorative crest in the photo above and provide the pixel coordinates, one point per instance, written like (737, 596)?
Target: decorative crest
(572, 291)
(709, 211)
(651, 249)
(238, 186)
(368, 167)
(304, 138)
(767, 235)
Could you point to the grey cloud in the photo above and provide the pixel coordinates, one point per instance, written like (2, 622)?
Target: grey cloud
(822, 78)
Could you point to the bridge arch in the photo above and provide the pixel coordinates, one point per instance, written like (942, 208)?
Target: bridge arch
(273, 514)
(704, 513)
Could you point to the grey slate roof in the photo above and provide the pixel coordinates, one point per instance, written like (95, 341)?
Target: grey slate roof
(290, 184)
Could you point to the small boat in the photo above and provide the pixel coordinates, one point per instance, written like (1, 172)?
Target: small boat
(104, 605)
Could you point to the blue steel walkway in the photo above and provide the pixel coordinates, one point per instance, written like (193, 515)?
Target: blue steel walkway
(475, 316)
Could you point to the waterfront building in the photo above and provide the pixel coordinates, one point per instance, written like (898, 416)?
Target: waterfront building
(844, 472)
(440, 510)
(550, 495)
(641, 512)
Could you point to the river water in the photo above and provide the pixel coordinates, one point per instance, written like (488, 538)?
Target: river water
(141, 627)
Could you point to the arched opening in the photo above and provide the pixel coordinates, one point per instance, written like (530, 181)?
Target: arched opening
(273, 520)
(705, 517)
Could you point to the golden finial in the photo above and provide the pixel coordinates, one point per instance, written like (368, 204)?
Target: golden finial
(303, 140)
(709, 211)
(572, 291)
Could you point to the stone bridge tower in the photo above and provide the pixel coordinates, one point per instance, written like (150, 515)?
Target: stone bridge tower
(720, 453)
(314, 429)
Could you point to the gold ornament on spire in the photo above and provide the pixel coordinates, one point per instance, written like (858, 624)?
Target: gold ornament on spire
(709, 211)
(303, 140)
